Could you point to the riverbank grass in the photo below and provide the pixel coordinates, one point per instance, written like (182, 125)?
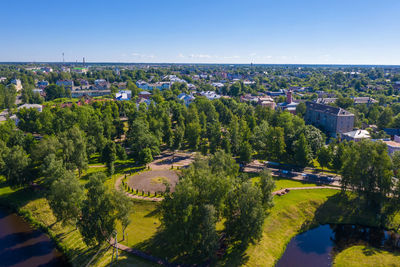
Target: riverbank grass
(285, 221)
(366, 256)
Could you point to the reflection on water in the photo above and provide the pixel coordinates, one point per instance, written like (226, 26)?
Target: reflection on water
(317, 246)
(20, 245)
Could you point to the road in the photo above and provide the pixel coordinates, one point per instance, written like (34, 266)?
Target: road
(308, 175)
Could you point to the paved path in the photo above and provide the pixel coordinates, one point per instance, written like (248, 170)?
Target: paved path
(165, 160)
(153, 180)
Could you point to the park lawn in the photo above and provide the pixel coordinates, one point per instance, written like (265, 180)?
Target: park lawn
(145, 220)
(35, 208)
(281, 183)
(286, 219)
(366, 256)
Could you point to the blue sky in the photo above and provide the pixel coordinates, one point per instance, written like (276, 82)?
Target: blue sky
(202, 31)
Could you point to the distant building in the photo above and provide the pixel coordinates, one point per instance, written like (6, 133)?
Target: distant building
(42, 84)
(35, 106)
(330, 119)
(17, 83)
(123, 95)
(3, 79)
(289, 105)
(144, 94)
(150, 86)
(66, 83)
(392, 146)
(101, 84)
(211, 95)
(356, 135)
(80, 70)
(187, 99)
(91, 93)
(357, 100)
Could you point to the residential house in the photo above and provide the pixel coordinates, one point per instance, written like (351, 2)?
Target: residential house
(42, 84)
(187, 99)
(211, 95)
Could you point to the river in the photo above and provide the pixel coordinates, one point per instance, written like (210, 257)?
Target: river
(21, 245)
(318, 246)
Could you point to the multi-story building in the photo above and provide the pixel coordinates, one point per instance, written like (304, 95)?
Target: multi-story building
(328, 118)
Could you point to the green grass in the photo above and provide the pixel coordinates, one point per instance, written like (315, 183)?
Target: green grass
(366, 256)
(144, 223)
(281, 183)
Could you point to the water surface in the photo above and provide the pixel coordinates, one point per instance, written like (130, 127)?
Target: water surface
(21, 245)
(317, 247)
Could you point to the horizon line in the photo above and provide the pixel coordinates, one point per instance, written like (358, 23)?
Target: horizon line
(193, 63)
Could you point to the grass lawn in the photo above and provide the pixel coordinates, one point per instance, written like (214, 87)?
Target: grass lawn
(144, 223)
(366, 256)
(281, 183)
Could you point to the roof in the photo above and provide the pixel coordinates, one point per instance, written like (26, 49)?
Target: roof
(144, 93)
(328, 109)
(392, 144)
(358, 134)
(27, 106)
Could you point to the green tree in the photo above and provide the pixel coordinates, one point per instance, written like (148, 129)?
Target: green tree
(267, 185)
(124, 207)
(66, 197)
(385, 118)
(244, 214)
(245, 152)
(73, 143)
(16, 167)
(109, 155)
(98, 212)
(145, 156)
(396, 162)
(324, 156)
(275, 144)
(302, 151)
(367, 170)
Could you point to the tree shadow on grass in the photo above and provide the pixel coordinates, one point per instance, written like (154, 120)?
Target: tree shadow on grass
(369, 251)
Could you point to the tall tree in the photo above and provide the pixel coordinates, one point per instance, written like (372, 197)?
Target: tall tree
(98, 212)
(16, 167)
(302, 150)
(66, 197)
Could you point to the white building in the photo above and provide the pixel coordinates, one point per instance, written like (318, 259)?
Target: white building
(17, 83)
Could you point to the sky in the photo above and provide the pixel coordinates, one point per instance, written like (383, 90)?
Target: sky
(202, 31)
